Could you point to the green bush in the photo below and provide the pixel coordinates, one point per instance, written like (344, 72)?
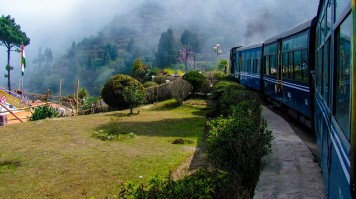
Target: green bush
(122, 91)
(83, 93)
(201, 184)
(196, 79)
(160, 79)
(149, 84)
(43, 112)
(238, 142)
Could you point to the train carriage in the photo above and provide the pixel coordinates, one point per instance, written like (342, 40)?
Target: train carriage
(335, 121)
(247, 64)
(288, 68)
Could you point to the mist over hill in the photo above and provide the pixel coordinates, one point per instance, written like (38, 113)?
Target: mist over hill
(230, 23)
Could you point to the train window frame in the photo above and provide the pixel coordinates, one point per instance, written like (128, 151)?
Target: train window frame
(326, 72)
(344, 119)
(319, 70)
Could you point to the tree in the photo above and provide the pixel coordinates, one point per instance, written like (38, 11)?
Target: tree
(167, 54)
(12, 38)
(122, 91)
(224, 63)
(191, 39)
(186, 55)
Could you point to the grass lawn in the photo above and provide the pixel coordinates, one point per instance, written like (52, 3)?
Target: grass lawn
(61, 158)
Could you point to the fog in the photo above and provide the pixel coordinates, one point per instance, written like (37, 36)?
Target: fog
(56, 24)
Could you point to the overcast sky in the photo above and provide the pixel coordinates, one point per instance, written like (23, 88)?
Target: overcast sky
(57, 23)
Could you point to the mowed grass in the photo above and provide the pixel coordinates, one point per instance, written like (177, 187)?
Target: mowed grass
(60, 158)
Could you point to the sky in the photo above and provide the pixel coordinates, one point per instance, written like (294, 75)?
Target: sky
(57, 23)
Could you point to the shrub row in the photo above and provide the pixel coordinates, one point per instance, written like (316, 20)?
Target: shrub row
(238, 139)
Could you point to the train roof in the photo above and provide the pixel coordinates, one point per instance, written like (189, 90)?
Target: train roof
(292, 31)
(259, 45)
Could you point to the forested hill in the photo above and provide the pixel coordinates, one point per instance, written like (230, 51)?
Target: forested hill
(137, 33)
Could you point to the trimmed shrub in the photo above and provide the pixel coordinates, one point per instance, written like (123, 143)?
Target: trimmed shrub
(237, 144)
(43, 112)
(180, 90)
(196, 79)
(149, 84)
(122, 91)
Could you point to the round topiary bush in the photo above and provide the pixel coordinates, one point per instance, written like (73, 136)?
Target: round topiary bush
(196, 79)
(122, 91)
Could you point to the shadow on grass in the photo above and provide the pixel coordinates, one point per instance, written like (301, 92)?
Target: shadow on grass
(184, 128)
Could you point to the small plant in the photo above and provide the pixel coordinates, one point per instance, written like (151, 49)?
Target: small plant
(9, 165)
(182, 141)
(43, 112)
(113, 131)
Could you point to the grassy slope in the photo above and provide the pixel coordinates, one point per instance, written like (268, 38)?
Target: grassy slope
(60, 158)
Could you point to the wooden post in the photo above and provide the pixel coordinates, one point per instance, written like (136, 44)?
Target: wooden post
(77, 93)
(60, 91)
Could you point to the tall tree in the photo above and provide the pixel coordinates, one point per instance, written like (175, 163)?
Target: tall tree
(167, 53)
(189, 38)
(12, 38)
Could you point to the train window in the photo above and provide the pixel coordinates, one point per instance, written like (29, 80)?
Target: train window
(328, 17)
(267, 69)
(285, 69)
(319, 70)
(258, 65)
(273, 64)
(343, 75)
(322, 31)
(297, 65)
(287, 44)
(326, 68)
(340, 6)
(318, 35)
(304, 66)
(301, 41)
(290, 66)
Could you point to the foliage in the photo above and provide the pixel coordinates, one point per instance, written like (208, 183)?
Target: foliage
(237, 143)
(186, 56)
(134, 95)
(11, 37)
(191, 39)
(159, 79)
(223, 64)
(196, 79)
(159, 93)
(180, 90)
(149, 84)
(122, 91)
(167, 71)
(89, 102)
(113, 131)
(201, 184)
(167, 50)
(43, 112)
(83, 93)
(136, 66)
(223, 95)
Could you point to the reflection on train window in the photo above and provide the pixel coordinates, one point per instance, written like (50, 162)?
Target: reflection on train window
(343, 75)
(319, 70)
(294, 57)
(322, 30)
(326, 69)
(340, 6)
(328, 17)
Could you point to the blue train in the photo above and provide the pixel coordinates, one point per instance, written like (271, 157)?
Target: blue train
(311, 70)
